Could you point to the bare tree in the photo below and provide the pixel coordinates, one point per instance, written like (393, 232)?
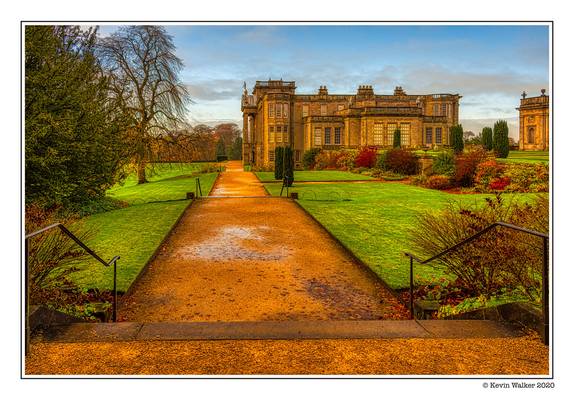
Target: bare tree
(145, 86)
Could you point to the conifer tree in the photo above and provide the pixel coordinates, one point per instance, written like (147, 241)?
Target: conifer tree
(397, 139)
(500, 143)
(486, 138)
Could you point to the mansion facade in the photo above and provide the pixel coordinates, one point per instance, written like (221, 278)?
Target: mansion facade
(274, 115)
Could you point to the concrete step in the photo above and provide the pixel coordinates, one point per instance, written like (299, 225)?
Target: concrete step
(277, 330)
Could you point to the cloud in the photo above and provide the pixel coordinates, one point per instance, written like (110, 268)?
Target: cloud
(215, 89)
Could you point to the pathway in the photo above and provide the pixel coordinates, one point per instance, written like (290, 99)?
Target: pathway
(254, 259)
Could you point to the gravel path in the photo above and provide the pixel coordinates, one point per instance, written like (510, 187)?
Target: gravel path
(249, 259)
(508, 356)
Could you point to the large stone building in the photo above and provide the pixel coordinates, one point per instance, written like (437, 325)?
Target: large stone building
(273, 115)
(534, 130)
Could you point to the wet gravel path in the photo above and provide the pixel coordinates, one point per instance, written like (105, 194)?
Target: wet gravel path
(238, 259)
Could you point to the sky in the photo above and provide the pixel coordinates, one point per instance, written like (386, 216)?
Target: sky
(489, 65)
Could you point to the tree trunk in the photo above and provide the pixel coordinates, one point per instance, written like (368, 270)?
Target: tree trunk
(141, 172)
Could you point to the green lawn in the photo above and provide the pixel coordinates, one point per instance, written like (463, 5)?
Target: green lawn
(317, 176)
(136, 231)
(530, 157)
(373, 220)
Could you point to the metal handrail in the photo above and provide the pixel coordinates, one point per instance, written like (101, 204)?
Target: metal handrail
(83, 246)
(545, 269)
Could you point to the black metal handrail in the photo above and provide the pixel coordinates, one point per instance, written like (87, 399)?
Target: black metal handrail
(545, 268)
(83, 246)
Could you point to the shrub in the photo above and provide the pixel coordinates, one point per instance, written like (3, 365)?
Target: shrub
(288, 165)
(443, 163)
(439, 182)
(397, 139)
(500, 143)
(366, 158)
(499, 183)
(309, 157)
(486, 138)
(501, 258)
(278, 162)
(465, 167)
(527, 177)
(346, 160)
(381, 161)
(327, 159)
(401, 161)
(485, 173)
(457, 138)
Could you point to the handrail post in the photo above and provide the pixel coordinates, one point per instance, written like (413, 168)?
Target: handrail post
(27, 296)
(115, 305)
(545, 295)
(411, 299)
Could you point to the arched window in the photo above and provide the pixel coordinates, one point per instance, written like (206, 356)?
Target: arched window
(531, 135)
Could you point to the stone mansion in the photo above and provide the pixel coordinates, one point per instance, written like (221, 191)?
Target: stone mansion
(273, 115)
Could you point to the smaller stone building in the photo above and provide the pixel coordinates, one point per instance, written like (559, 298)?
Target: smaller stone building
(534, 130)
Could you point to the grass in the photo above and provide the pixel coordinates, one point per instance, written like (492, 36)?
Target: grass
(315, 176)
(530, 157)
(136, 231)
(375, 220)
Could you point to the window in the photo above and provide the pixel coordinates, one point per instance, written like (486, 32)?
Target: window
(327, 135)
(428, 135)
(271, 110)
(285, 133)
(531, 134)
(278, 135)
(443, 109)
(337, 135)
(435, 109)
(405, 134)
(271, 155)
(305, 110)
(271, 133)
(391, 128)
(323, 109)
(285, 110)
(278, 110)
(438, 135)
(379, 134)
(297, 155)
(317, 137)
(340, 107)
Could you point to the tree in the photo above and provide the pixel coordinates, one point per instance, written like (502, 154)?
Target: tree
(220, 151)
(469, 137)
(288, 165)
(486, 137)
(456, 138)
(73, 150)
(237, 149)
(279, 162)
(500, 139)
(145, 86)
(229, 132)
(397, 139)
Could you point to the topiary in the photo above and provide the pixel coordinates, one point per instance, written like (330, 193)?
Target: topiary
(278, 163)
(397, 139)
(486, 138)
(500, 143)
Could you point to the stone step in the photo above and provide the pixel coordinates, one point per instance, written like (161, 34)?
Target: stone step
(277, 330)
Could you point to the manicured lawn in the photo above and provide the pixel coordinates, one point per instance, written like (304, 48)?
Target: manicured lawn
(530, 157)
(316, 176)
(136, 231)
(373, 220)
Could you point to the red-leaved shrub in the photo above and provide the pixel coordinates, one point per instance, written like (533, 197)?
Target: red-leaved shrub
(499, 183)
(465, 167)
(366, 158)
(401, 161)
(439, 182)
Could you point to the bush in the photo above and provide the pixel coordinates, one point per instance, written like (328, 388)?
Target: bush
(346, 160)
(439, 182)
(366, 158)
(309, 157)
(465, 167)
(327, 160)
(500, 143)
(443, 163)
(457, 138)
(381, 161)
(401, 161)
(527, 177)
(278, 163)
(486, 172)
(501, 258)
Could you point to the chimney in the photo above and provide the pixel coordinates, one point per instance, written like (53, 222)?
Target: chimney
(399, 91)
(323, 90)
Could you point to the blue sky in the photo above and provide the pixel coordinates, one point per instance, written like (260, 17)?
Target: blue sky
(489, 66)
